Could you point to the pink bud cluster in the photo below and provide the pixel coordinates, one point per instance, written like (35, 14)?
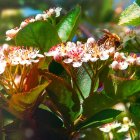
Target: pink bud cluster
(77, 53)
(12, 56)
(44, 16)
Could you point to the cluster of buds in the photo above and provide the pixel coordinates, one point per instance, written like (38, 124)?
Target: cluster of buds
(12, 56)
(44, 16)
(122, 62)
(77, 53)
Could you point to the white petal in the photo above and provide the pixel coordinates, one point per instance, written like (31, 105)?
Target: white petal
(77, 64)
(45, 16)
(2, 67)
(69, 60)
(91, 40)
(40, 55)
(123, 65)
(51, 53)
(93, 59)
(23, 24)
(105, 129)
(35, 61)
(131, 60)
(39, 17)
(138, 61)
(124, 128)
(115, 125)
(111, 50)
(114, 65)
(57, 11)
(86, 57)
(104, 56)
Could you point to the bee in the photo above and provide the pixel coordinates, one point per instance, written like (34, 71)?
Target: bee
(109, 39)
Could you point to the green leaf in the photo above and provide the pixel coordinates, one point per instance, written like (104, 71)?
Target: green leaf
(67, 26)
(100, 118)
(64, 97)
(135, 109)
(131, 15)
(95, 103)
(22, 104)
(47, 119)
(131, 44)
(119, 88)
(128, 88)
(8, 118)
(138, 2)
(40, 34)
(83, 80)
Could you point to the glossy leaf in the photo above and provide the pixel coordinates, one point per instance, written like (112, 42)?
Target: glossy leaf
(100, 118)
(22, 104)
(67, 26)
(108, 84)
(83, 80)
(64, 97)
(131, 15)
(95, 103)
(128, 88)
(119, 88)
(39, 34)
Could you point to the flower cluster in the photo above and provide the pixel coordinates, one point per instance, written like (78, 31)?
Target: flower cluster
(109, 127)
(123, 127)
(12, 56)
(121, 61)
(77, 53)
(44, 16)
(127, 124)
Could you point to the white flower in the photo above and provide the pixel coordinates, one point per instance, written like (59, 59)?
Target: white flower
(126, 125)
(11, 33)
(105, 129)
(124, 128)
(138, 61)
(115, 65)
(131, 60)
(119, 65)
(45, 16)
(5, 47)
(119, 56)
(2, 66)
(23, 24)
(93, 59)
(86, 57)
(57, 11)
(108, 127)
(91, 40)
(123, 65)
(39, 17)
(104, 55)
(77, 64)
(111, 51)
